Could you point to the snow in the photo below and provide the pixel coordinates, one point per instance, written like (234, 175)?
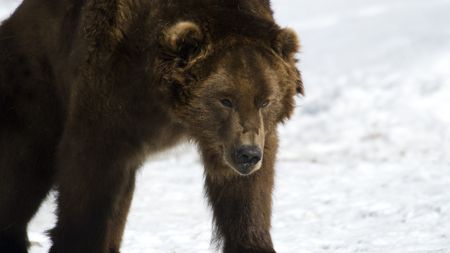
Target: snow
(364, 165)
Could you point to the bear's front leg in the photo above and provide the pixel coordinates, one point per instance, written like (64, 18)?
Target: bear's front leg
(242, 206)
(92, 177)
(96, 165)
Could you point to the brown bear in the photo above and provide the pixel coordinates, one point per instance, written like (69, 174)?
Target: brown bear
(89, 88)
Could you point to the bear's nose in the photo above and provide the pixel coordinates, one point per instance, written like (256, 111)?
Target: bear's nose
(248, 155)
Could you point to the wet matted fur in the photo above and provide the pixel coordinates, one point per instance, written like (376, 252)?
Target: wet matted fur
(89, 88)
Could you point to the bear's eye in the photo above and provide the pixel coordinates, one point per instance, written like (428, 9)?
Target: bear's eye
(264, 104)
(226, 102)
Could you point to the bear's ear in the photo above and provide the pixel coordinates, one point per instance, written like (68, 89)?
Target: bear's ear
(182, 42)
(287, 44)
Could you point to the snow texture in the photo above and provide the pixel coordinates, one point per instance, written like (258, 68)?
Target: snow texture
(364, 165)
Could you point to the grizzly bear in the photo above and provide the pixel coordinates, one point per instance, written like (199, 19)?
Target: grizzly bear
(89, 88)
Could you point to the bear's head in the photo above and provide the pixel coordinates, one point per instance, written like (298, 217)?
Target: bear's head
(232, 87)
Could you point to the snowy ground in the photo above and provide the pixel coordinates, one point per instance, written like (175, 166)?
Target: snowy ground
(365, 162)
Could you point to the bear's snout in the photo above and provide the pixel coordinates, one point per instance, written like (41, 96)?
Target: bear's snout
(246, 157)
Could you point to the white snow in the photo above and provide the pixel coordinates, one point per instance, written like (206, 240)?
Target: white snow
(364, 165)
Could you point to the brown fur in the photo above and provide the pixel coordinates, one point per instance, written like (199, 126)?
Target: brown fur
(89, 88)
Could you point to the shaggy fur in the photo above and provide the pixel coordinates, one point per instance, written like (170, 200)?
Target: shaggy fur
(89, 88)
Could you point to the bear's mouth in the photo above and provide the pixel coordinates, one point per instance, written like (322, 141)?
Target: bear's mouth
(247, 169)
